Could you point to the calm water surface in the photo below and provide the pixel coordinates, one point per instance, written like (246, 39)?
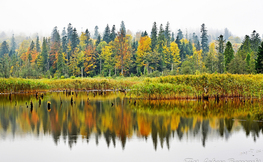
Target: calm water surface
(111, 128)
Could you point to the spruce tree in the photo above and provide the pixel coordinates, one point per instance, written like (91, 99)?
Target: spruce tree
(113, 33)
(161, 44)
(204, 39)
(167, 34)
(96, 32)
(259, 59)
(123, 28)
(4, 49)
(87, 34)
(229, 54)
(74, 39)
(13, 46)
(32, 46)
(154, 36)
(69, 31)
(98, 40)
(255, 41)
(172, 39)
(106, 35)
(180, 35)
(37, 44)
(60, 62)
(44, 55)
(245, 48)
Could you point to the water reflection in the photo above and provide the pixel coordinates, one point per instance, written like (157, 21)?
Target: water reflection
(113, 118)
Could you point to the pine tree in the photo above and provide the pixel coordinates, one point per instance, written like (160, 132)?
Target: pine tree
(64, 33)
(64, 44)
(55, 37)
(229, 54)
(167, 34)
(113, 33)
(123, 28)
(154, 36)
(204, 39)
(259, 60)
(227, 34)
(106, 35)
(96, 32)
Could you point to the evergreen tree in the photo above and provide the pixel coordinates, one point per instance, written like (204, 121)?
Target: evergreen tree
(64, 33)
(96, 32)
(98, 40)
(196, 42)
(220, 48)
(204, 39)
(64, 44)
(160, 47)
(87, 34)
(172, 39)
(55, 37)
(229, 54)
(106, 35)
(123, 28)
(245, 48)
(227, 34)
(113, 33)
(167, 34)
(38, 44)
(74, 39)
(32, 46)
(220, 44)
(255, 41)
(144, 33)
(4, 49)
(60, 62)
(259, 60)
(69, 31)
(154, 36)
(13, 46)
(44, 55)
(180, 35)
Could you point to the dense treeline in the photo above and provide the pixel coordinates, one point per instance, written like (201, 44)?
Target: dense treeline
(118, 53)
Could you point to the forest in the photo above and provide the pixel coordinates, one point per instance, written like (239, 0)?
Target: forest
(70, 54)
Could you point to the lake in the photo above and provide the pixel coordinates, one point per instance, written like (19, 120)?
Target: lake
(110, 127)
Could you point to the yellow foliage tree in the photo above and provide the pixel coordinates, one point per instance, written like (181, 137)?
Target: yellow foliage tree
(143, 52)
(175, 53)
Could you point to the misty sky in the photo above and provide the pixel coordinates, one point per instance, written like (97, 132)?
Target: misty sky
(30, 16)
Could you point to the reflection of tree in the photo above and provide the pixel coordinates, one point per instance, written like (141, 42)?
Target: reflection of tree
(205, 125)
(120, 122)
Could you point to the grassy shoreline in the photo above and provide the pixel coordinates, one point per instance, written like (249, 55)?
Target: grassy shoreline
(168, 87)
